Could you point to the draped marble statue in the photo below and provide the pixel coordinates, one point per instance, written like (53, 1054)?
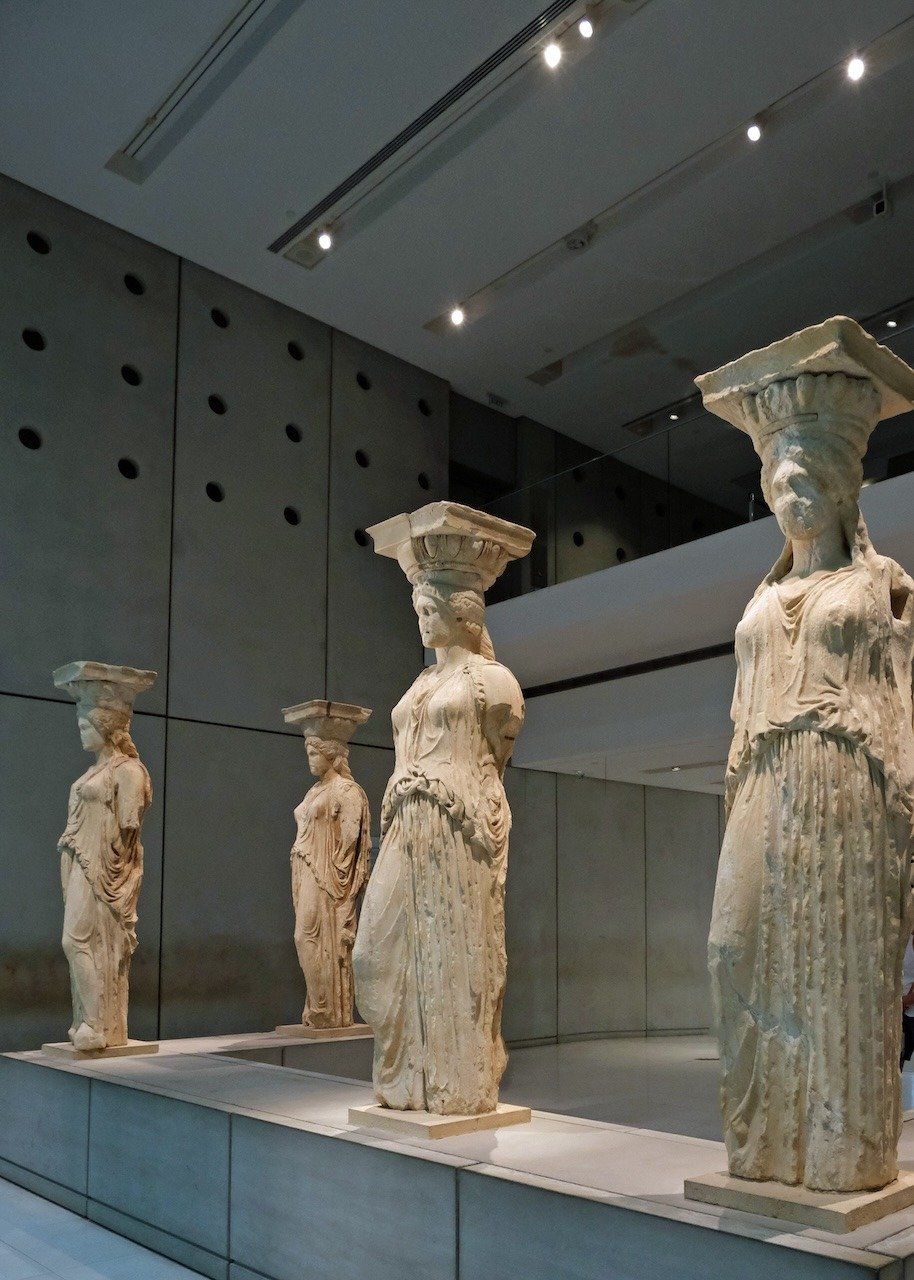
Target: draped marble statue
(330, 861)
(812, 905)
(430, 962)
(101, 856)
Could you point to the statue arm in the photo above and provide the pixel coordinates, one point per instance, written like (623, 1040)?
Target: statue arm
(132, 795)
(503, 714)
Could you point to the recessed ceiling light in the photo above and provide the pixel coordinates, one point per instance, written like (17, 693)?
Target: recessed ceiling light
(553, 54)
(676, 768)
(325, 240)
(856, 68)
(754, 132)
(892, 324)
(457, 316)
(585, 26)
(674, 417)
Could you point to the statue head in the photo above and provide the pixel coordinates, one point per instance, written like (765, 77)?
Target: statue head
(101, 727)
(326, 754)
(451, 616)
(104, 696)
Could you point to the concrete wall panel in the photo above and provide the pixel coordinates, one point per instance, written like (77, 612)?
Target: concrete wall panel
(389, 451)
(228, 957)
(530, 906)
(84, 571)
(681, 829)
(249, 588)
(600, 854)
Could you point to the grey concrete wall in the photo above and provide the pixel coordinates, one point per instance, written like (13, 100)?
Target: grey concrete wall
(241, 612)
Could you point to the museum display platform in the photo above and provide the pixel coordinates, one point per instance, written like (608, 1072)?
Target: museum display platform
(243, 1169)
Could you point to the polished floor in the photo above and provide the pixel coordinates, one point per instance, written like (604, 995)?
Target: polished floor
(40, 1240)
(667, 1083)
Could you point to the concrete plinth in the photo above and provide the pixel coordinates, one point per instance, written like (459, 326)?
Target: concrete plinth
(65, 1049)
(323, 1033)
(425, 1124)
(837, 1211)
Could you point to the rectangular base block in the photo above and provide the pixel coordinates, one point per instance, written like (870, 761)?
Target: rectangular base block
(66, 1050)
(425, 1124)
(324, 1033)
(827, 1210)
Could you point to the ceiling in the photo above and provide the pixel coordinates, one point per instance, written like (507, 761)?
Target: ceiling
(701, 259)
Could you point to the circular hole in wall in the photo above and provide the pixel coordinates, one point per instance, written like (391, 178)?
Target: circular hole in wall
(295, 351)
(215, 492)
(128, 468)
(621, 554)
(38, 242)
(361, 537)
(362, 457)
(363, 380)
(33, 339)
(219, 318)
(619, 492)
(425, 408)
(134, 283)
(291, 516)
(131, 376)
(293, 432)
(29, 437)
(577, 538)
(217, 404)
(424, 482)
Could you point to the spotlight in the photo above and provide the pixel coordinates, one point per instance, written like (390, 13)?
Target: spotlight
(585, 27)
(674, 417)
(457, 316)
(856, 68)
(553, 55)
(325, 240)
(754, 132)
(676, 768)
(892, 324)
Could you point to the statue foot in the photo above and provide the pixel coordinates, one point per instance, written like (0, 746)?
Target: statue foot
(85, 1038)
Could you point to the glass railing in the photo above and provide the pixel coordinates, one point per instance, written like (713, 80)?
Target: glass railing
(686, 474)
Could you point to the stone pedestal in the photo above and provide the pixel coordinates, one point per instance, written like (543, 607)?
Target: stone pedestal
(65, 1049)
(837, 1211)
(425, 1124)
(323, 1033)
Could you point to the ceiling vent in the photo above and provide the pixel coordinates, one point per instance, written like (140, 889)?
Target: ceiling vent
(251, 27)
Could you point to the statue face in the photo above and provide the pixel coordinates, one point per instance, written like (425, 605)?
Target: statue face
(437, 626)
(89, 736)
(803, 506)
(317, 761)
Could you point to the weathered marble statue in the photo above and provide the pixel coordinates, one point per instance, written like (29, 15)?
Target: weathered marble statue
(430, 954)
(101, 857)
(812, 906)
(330, 861)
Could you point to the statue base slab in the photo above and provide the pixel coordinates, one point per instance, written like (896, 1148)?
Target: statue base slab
(837, 1211)
(323, 1033)
(66, 1050)
(425, 1124)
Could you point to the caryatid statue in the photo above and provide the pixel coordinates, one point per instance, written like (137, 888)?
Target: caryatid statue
(812, 906)
(429, 958)
(101, 856)
(330, 861)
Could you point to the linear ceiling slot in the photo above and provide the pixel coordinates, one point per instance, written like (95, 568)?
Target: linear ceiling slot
(242, 38)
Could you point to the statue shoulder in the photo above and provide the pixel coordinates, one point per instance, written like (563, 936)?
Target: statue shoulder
(500, 685)
(130, 772)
